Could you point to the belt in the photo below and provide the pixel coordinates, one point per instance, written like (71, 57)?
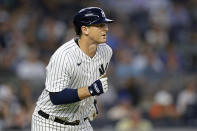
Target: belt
(58, 120)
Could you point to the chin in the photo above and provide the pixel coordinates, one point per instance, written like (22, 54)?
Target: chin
(104, 41)
(101, 41)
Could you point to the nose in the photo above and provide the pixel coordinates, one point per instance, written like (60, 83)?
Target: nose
(106, 27)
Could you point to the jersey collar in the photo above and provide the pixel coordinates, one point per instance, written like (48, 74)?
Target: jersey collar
(82, 54)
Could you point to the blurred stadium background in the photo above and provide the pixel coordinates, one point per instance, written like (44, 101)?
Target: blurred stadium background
(152, 75)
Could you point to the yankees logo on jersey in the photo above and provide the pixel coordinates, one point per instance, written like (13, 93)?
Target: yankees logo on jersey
(69, 67)
(102, 70)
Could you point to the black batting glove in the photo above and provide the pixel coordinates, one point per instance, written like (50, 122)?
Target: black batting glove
(98, 87)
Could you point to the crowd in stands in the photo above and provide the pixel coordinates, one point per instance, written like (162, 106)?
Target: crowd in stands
(152, 75)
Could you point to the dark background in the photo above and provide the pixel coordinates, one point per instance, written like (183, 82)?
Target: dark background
(152, 74)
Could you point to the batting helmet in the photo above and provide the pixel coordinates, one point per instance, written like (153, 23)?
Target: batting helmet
(89, 16)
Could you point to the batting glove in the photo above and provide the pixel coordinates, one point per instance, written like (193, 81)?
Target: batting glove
(98, 87)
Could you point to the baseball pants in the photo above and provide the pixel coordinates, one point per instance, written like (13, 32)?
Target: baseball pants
(41, 124)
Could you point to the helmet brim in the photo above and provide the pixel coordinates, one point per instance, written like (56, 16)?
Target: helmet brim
(106, 20)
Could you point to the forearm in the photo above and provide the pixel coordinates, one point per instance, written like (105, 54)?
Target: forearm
(68, 96)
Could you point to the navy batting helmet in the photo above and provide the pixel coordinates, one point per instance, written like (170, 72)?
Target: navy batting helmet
(89, 16)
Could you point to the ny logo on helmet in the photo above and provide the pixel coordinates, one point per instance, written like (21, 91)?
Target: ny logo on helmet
(103, 14)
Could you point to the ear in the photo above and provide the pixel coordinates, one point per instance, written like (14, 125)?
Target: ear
(84, 30)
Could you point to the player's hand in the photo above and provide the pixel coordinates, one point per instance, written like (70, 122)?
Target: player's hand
(94, 112)
(98, 87)
(92, 116)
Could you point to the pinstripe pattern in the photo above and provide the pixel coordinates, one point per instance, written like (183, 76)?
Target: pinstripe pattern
(69, 67)
(41, 124)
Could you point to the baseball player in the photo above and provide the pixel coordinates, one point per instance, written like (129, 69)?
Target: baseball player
(75, 76)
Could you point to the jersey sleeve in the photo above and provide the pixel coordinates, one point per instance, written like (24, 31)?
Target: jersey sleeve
(58, 73)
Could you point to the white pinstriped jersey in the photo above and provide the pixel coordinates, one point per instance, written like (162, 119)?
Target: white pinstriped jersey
(70, 67)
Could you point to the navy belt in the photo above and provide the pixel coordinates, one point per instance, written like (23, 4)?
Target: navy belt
(58, 120)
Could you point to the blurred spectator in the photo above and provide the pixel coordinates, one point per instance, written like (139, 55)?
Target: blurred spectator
(27, 104)
(122, 108)
(125, 5)
(186, 97)
(155, 5)
(153, 66)
(160, 16)
(9, 107)
(25, 93)
(157, 36)
(140, 19)
(173, 60)
(31, 69)
(133, 88)
(163, 109)
(115, 36)
(133, 41)
(134, 122)
(51, 30)
(108, 99)
(6, 96)
(124, 68)
(4, 16)
(180, 23)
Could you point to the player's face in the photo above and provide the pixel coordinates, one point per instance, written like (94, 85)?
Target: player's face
(98, 33)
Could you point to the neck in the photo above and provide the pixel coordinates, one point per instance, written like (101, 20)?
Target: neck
(87, 46)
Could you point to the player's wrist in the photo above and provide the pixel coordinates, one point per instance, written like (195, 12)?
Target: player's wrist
(83, 93)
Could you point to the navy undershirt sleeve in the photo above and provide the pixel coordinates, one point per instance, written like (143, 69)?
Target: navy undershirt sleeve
(66, 96)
